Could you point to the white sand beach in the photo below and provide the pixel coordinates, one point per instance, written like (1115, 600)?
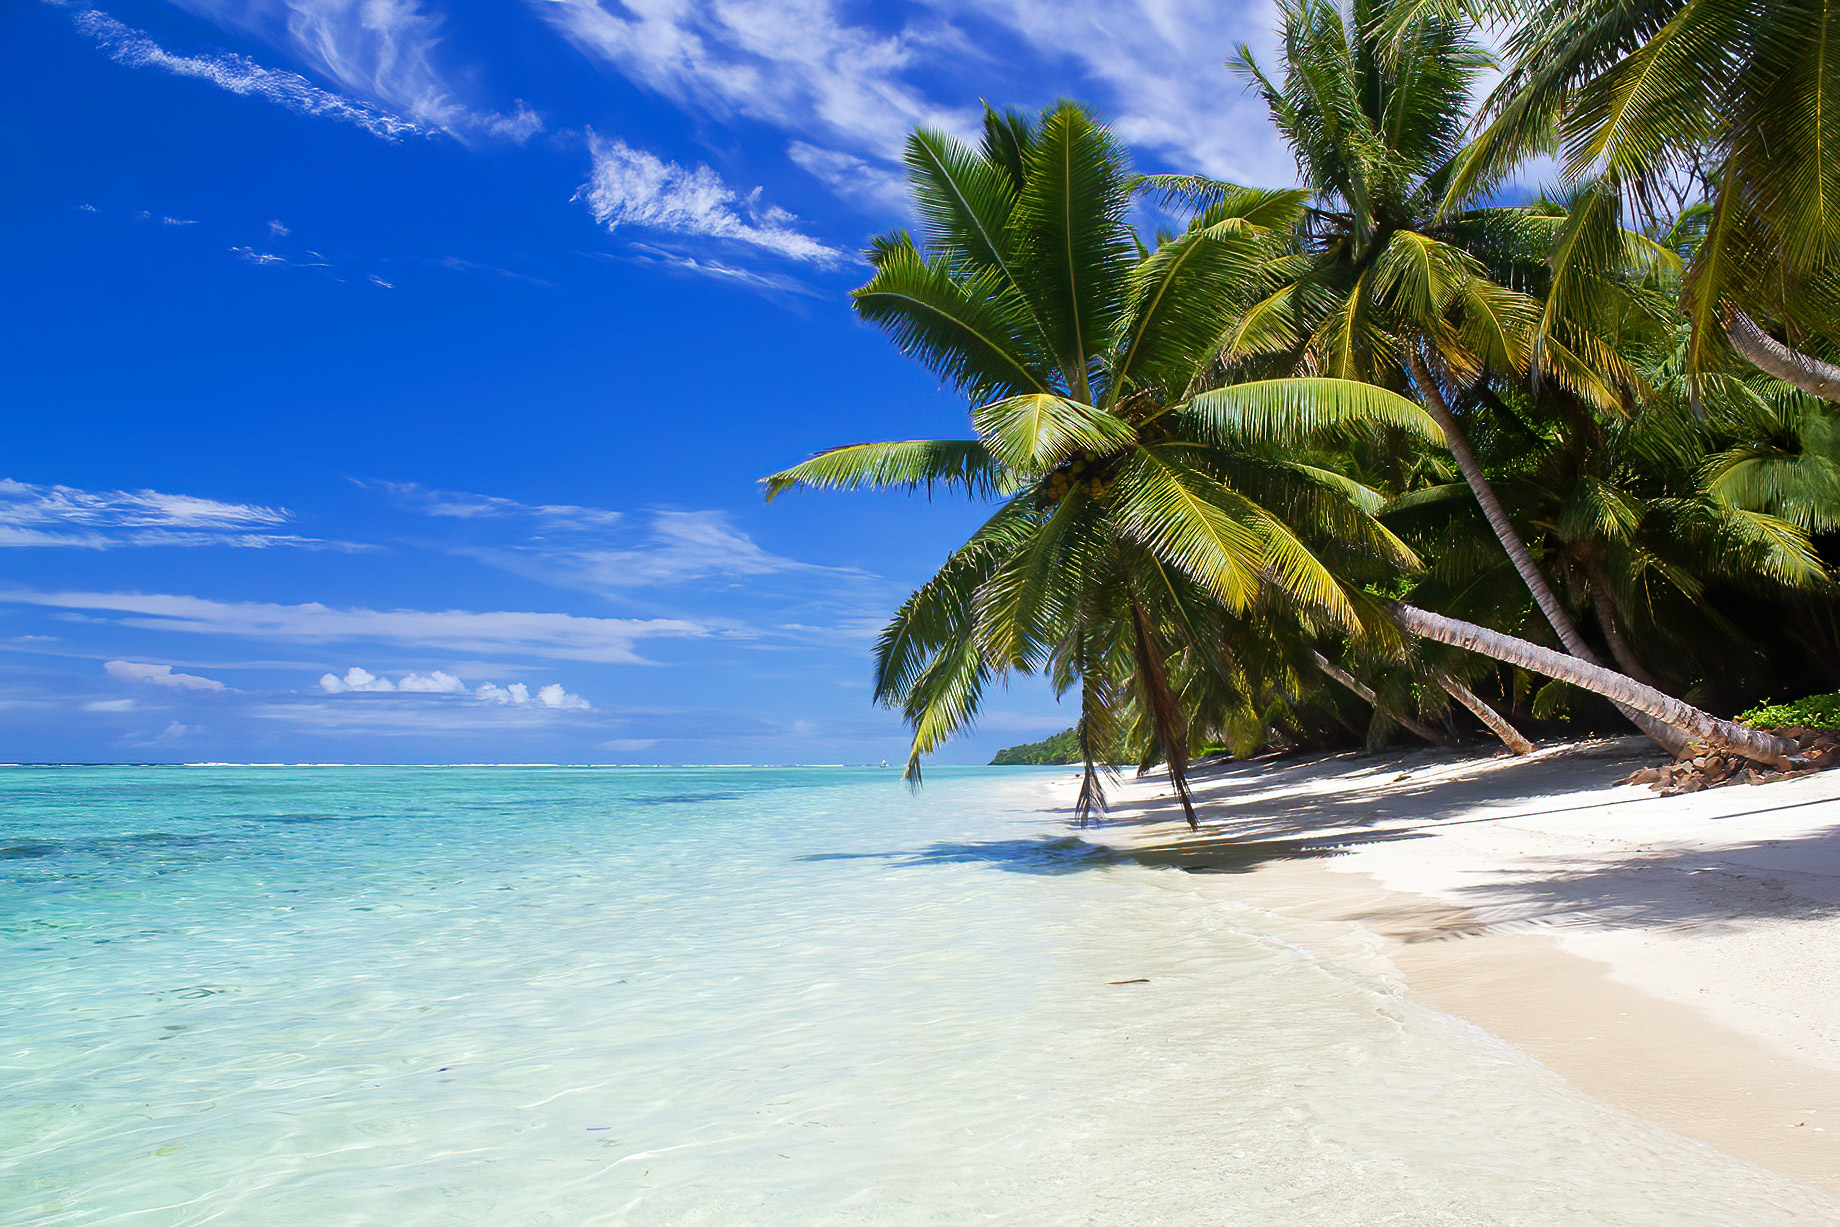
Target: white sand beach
(1678, 957)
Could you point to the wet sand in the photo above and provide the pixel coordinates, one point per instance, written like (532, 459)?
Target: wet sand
(1678, 957)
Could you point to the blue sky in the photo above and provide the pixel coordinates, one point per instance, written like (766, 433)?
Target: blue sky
(390, 381)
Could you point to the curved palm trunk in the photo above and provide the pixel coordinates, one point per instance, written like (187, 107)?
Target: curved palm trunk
(1772, 357)
(1164, 714)
(1491, 719)
(1497, 516)
(1366, 694)
(1624, 691)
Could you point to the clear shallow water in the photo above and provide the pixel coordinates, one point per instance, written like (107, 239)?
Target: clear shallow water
(728, 996)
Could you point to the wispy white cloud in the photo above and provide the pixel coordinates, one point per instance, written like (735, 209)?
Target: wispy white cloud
(468, 266)
(242, 75)
(631, 187)
(173, 732)
(602, 550)
(252, 256)
(386, 50)
(378, 281)
(874, 187)
(680, 546)
(278, 231)
(1159, 68)
(111, 705)
(160, 675)
(843, 88)
(461, 505)
(178, 221)
(717, 270)
(37, 515)
(797, 64)
(1020, 722)
(492, 634)
(400, 716)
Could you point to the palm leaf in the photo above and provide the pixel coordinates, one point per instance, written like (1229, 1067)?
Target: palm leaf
(911, 464)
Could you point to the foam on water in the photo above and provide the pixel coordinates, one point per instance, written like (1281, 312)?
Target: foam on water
(729, 996)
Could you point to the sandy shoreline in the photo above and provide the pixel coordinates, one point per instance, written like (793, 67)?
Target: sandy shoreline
(1678, 957)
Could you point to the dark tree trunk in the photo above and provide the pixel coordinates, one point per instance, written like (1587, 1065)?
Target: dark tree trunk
(1165, 716)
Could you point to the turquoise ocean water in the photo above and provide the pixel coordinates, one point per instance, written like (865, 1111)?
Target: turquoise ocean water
(267, 995)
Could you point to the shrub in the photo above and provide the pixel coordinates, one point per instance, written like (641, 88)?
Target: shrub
(1817, 711)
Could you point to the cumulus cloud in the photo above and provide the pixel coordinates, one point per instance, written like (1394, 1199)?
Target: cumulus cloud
(36, 515)
(435, 682)
(463, 632)
(160, 675)
(515, 694)
(553, 695)
(355, 680)
(630, 187)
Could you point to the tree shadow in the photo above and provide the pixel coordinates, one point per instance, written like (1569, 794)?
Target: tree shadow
(1320, 805)
(1047, 854)
(1333, 804)
(1790, 879)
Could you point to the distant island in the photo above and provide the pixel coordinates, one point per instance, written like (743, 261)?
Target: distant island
(1058, 750)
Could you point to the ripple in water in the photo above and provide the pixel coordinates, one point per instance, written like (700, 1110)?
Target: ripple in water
(729, 996)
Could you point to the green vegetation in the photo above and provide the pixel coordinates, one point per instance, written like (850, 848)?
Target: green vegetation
(1404, 449)
(1817, 711)
(1061, 749)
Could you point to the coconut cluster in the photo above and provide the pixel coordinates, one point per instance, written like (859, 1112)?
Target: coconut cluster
(1076, 472)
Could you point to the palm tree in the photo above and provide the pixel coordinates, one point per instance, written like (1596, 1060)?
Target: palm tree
(1658, 94)
(1391, 283)
(1131, 508)
(1136, 514)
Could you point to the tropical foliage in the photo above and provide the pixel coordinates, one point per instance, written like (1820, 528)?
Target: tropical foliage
(1405, 452)
(1059, 750)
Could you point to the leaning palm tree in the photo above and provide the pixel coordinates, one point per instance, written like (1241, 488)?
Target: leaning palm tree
(1130, 507)
(1397, 282)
